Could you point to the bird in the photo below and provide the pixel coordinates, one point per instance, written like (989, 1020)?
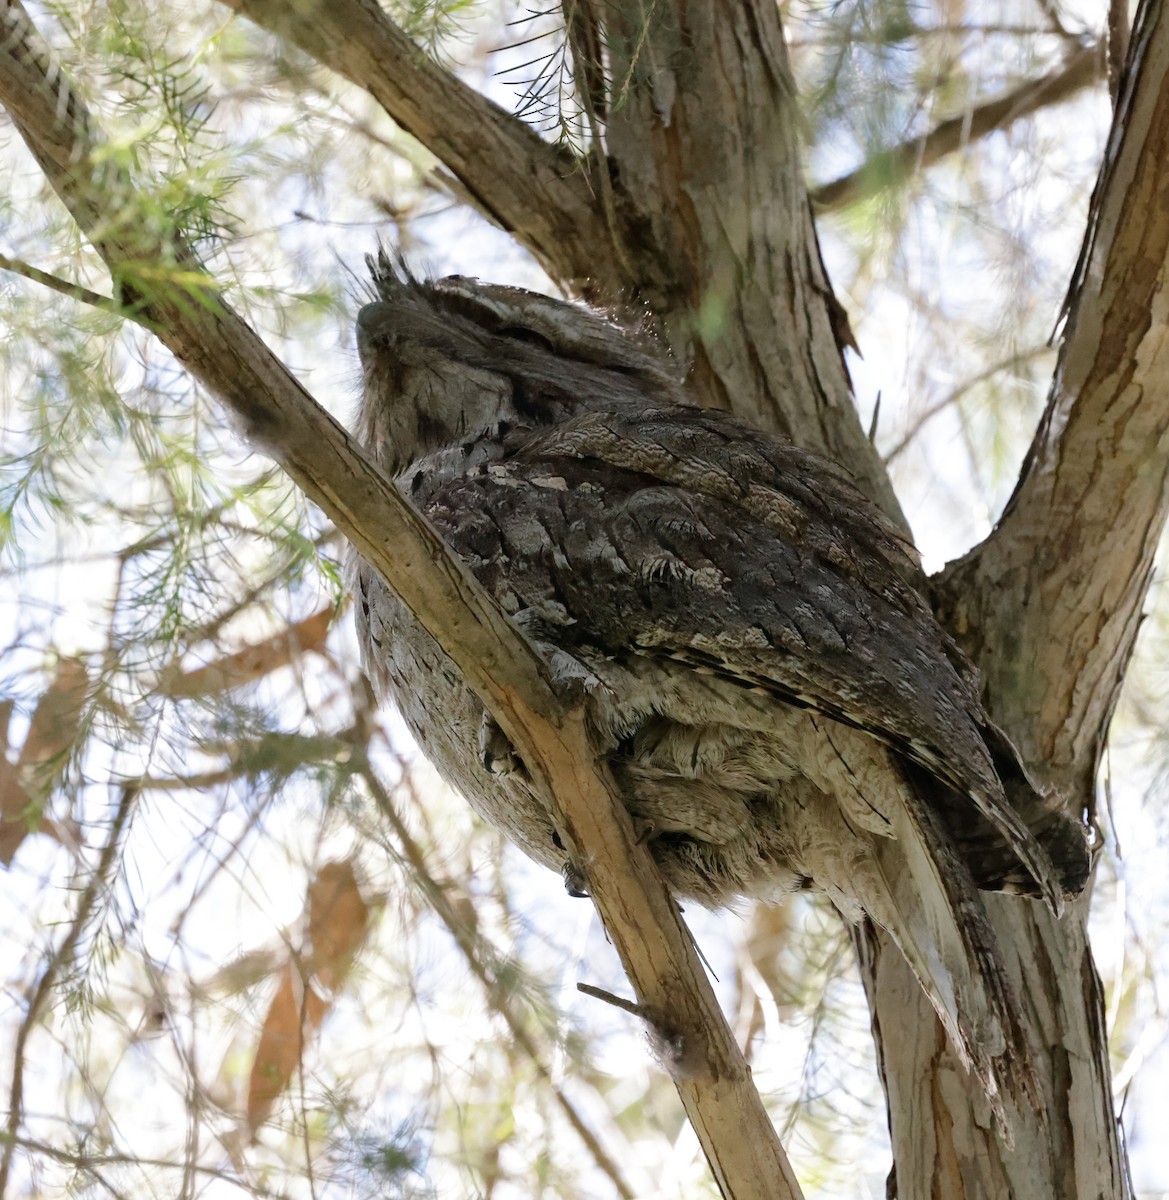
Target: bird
(777, 703)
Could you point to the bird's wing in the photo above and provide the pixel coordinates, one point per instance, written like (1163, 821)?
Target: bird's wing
(609, 559)
(684, 534)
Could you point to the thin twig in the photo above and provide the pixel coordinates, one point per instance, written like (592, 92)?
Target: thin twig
(628, 1006)
(73, 290)
(89, 1163)
(952, 397)
(1082, 68)
(467, 944)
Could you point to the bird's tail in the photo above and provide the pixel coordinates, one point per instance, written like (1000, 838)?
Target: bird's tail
(915, 885)
(1043, 812)
(929, 903)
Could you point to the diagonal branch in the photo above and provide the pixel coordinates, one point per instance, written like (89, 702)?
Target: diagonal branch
(733, 276)
(160, 277)
(952, 397)
(1067, 569)
(1080, 69)
(535, 191)
(478, 955)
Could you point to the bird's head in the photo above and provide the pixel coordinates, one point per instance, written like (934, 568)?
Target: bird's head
(451, 361)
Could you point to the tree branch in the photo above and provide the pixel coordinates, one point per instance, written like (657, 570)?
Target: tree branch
(952, 397)
(59, 959)
(734, 276)
(472, 945)
(1066, 571)
(1082, 68)
(162, 278)
(73, 290)
(537, 192)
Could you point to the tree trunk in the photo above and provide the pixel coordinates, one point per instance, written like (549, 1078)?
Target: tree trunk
(731, 231)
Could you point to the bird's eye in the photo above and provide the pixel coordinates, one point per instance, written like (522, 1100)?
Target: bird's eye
(521, 333)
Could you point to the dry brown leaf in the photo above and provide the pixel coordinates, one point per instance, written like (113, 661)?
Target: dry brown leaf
(242, 973)
(252, 662)
(25, 785)
(56, 720)
(14, 812)
(337, 921)
(295, 1014)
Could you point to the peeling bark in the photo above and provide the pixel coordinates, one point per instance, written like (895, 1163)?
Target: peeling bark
(1049, 606)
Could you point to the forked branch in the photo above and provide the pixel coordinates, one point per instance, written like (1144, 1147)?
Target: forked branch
(1066, 572)
(538, 192)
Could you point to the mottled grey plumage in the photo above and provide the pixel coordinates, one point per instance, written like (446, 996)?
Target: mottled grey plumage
(778, 704)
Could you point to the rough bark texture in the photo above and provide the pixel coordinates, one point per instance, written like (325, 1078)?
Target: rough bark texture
(1049, 607)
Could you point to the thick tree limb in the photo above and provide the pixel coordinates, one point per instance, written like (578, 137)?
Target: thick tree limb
(537, 192)
(1051, 602)
(1082, 68)
(164, 282)
(1069, 1147)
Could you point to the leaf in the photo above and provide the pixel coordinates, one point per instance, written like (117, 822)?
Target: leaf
(55, 723)
(17, 817)
(52, 731)
(253, 662)
(336, 921)
(243, 972)
(296, 1012)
